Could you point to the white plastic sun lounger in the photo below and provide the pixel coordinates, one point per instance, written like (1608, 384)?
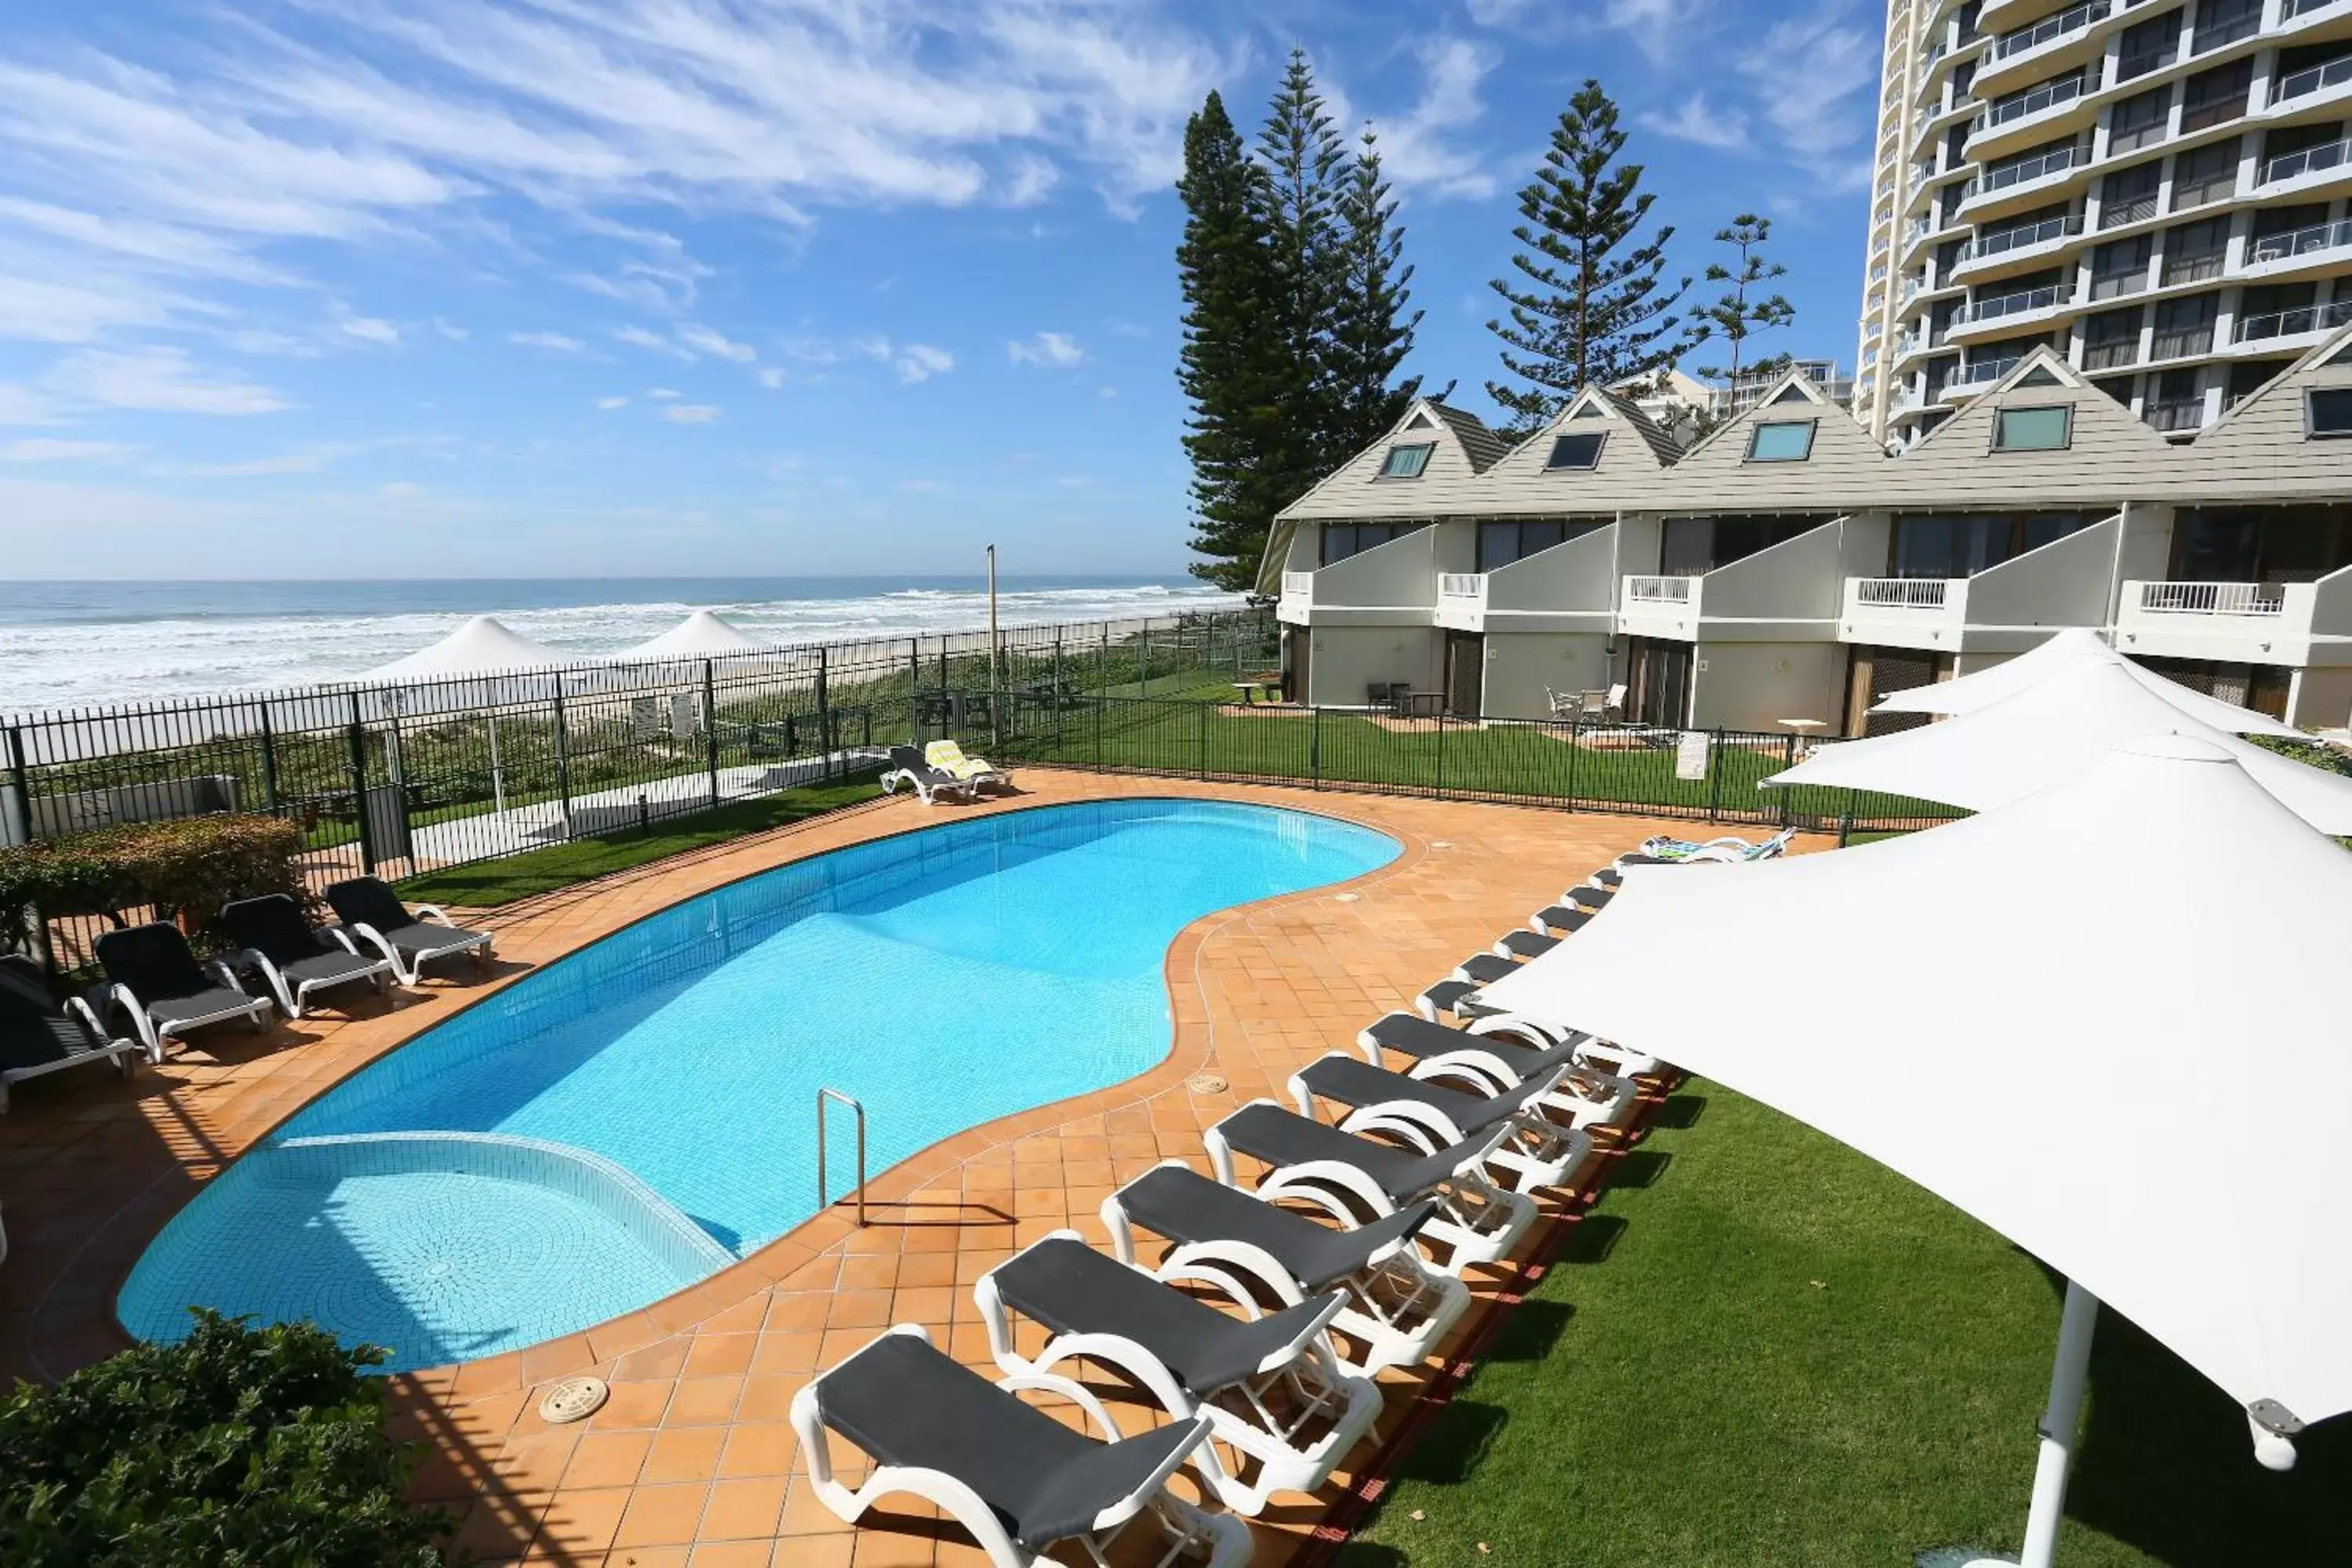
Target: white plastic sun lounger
(1494, 1056)
(1013, 1476)
(1354, 1179)
(1397, 1306)
(1269, 1387)
(1431, 1116)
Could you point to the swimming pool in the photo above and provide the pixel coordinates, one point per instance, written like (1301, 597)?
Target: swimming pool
(639, 1115)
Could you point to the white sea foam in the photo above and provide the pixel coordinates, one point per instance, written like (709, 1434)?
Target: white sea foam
(104, 654)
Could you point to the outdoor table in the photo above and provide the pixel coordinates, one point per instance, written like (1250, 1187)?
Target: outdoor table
(1420, 704)
(1803, 728)
(1269, 687)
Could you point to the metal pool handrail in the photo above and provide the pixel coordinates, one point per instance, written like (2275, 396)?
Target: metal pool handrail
(821, 1201)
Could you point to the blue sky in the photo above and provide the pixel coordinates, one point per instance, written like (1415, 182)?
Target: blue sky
(523, 287)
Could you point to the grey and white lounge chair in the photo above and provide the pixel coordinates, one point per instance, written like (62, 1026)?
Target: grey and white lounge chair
(1559, 920)
(1397, 1308)
(929, 783)
(1522, 946)
(1493, 1055)
(1484, 968)
(1430, 1116)
(1355, 1179)
(38, 1036)
(1270, 1387)
(1454, 996)
(158, 985)
(1587, 895)
(293, 958)
(1011, 1475)
(374, 916)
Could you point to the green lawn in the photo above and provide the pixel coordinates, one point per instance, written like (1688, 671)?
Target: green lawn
(489, 883)
(1185, 732)
(1766, 1348)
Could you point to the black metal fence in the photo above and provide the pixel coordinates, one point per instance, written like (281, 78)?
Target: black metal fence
(398, 780)
(1714, 775)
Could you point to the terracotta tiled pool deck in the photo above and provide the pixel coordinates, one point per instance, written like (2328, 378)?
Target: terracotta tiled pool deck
(691, 1462)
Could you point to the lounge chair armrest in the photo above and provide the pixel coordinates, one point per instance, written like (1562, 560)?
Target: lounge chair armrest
(1069, 1388)
(341, 938)
(123, 999)
(433, 912)
(228, 977)
(258, 961)
(76, 1007)
(1308, 1338)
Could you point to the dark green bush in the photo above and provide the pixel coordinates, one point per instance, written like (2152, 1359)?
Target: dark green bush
(238, 1448)
(189, 867)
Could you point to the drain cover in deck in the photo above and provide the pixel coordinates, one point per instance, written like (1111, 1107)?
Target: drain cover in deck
(573, 1399)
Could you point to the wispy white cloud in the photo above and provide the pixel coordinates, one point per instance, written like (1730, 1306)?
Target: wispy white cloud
(610, 403)
(922, 486)
(689, 414)
(158, 379)
(702, 340)
(1810, 76)
(913, 362)
(450, 331)
(771, 377)
(1423, 149)
(259, 467)
(554, 343)
(663, 394)
(1698, 121)
(22, 405)
(371, 329)
(1056, 350)
(45, 450)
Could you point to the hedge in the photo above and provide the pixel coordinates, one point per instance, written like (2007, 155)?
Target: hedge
(238, 1448)
(185, 869)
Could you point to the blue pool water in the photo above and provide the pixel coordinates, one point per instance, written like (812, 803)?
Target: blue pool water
(625, 1109)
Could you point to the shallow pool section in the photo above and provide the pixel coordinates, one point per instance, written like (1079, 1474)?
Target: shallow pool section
(633, 1117)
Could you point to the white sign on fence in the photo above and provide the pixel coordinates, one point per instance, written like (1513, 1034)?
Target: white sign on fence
(1690, 755)
(644, 718)
(685, 715)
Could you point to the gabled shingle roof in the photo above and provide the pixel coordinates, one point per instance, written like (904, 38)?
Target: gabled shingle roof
(1480, 444)
(1659, 441)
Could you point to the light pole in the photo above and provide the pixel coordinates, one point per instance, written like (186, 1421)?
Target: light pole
(995, 677)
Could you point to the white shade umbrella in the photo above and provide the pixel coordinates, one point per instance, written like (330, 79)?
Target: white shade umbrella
(484, 645)
(701, 635)
(2046, 1072)
(1968, 694)
(2051, 729)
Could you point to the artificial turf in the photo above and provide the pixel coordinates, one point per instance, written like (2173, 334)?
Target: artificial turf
(488, 884)
(1764, 1348)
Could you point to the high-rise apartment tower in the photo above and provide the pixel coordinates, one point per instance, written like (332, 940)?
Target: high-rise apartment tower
(2157, 189)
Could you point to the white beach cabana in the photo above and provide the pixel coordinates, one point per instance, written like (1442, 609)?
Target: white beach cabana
(2046, 731)
(484, 645)
(2042, 1074)
(701, 635)
(2062, 650)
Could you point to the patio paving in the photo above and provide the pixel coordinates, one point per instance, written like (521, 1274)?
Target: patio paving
(690, 1461)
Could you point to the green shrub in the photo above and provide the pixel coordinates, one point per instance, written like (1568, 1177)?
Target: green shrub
(237, 1446)
(189, 867)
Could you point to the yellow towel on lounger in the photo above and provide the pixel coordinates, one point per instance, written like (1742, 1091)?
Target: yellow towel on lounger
(947, 756)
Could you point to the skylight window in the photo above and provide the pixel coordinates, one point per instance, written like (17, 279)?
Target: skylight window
(1407, 462)
(2330, 411)
(2033, 429)
(1580, 450)
(1781, 441)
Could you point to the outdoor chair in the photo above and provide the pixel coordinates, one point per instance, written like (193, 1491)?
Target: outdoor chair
(1355, 1179)
(1521, 946)
(1017, 1480)
(1564, 706)
(38, 1036)
(1397, 1309)
(157, 983)
(1432, 1116)
(908, 767)
(1559, 920)
(1484, 968)
(1727, 850)
(294, 958)
(1271, 1388)
(977, 772)
(373, 915)
(1485, 1059)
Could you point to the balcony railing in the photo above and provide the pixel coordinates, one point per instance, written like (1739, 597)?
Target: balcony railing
(1901, 592)
(2008, 240)
(2290, 9)
(2023, 104)
(2309, 161)
(2072, 20)
(2042, 299)
(2300, 242)
(1460, 585)
(1297, 584)
(1985, 373)
(2213, 598)
(2031, 169)
(2294, 323)
(2316, 79)
(1660, 589)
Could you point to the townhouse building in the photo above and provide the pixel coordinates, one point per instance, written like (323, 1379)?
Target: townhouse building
(1790, 567)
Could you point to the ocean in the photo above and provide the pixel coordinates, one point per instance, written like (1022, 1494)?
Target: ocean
(72, 644)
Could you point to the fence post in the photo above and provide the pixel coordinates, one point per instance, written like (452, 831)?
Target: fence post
(1845, 818)
(1787, 761)
(355, 738)
(20, 783)
(1574, 729)
(563, 762)
(1203, 710)
(269, 762)
(1315, 749)
(1057, 688)
(1144, 689)
(823, 711)
(1102, 672)
(711, 726)
(1714, 778)
(915, 691)
(1440, 764)
(1101, 702)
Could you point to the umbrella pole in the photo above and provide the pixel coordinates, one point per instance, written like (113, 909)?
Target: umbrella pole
(2059, 1421)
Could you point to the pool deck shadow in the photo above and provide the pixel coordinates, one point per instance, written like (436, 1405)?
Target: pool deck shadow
(692, 1457)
